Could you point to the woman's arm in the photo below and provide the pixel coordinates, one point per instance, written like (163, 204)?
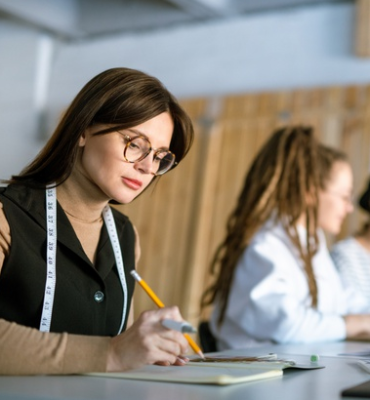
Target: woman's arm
(357, 326)
(4, 237)
(270, 299)
(27, 351)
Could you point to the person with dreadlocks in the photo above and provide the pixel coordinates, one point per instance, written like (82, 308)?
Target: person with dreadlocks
(275, 281)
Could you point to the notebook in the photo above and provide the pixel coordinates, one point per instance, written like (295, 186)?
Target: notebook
(195, 375)
(216, 370)
(361, 390)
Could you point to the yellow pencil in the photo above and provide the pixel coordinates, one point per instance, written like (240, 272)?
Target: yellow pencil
(159, 303)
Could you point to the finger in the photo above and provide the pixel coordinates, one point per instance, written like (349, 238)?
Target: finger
(180, 361)
(153, 316)
(184, 358)
(164, 340)
(166, 359)
(171, 313)
(177, 339)
(163, 363)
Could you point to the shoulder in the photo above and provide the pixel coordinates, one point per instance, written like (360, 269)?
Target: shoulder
(5, 237)
(270, 249)
(23, 196)
(271, 238)
(119, 217)
(2, 192)
(3, 220)
(349, 252)
(345, 245)
(122, 221)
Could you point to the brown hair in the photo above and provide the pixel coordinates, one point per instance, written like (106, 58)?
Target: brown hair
(283, 181)
(364, 203)
(120, 96)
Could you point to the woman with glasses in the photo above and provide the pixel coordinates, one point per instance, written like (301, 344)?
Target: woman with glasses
(275, 281)
(66, 255)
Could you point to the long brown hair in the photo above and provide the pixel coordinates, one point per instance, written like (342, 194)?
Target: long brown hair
(118, 96)
(283, 181)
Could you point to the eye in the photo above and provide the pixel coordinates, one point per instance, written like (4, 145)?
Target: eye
(158, 157)
(134, 146)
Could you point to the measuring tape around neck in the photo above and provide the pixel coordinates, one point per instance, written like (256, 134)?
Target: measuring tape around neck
(112, 232)
(51, 227)
(51, 248)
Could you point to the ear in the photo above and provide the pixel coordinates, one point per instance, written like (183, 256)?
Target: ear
(312, 197)
(82, 139)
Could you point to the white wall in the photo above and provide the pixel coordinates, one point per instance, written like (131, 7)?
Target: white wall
(18, 141)
(310, 46)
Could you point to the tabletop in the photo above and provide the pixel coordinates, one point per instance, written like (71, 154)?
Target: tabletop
(339, 373)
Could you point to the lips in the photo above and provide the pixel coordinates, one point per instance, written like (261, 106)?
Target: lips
(132, 183)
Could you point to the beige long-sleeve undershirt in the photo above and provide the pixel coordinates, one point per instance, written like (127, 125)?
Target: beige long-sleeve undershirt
(27, 351)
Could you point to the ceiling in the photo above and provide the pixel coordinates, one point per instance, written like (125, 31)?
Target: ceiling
(90, 19)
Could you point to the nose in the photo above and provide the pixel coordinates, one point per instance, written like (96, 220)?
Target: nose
(350, 207)
(145, 166)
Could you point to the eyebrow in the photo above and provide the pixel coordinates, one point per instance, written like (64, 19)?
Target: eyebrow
(137, 132)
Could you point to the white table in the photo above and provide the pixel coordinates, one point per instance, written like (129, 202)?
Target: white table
(321, 384)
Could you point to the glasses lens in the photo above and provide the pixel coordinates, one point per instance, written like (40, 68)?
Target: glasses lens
(139, 147)
(136, 149)
(163, 161)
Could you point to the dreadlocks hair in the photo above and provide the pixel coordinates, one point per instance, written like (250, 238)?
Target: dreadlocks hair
(283, 183)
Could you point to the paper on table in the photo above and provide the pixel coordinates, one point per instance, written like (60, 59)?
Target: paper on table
(266, 362)
(364, 353)
(189, 374)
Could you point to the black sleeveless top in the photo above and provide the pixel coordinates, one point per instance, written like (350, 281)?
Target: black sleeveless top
(88, 298)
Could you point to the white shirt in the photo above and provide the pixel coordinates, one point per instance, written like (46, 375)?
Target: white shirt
(353, 263)
(270, 301)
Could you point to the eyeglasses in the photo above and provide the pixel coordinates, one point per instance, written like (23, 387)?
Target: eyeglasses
(137, 148)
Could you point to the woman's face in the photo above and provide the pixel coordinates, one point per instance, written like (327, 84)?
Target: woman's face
(335, 201)
(102, 161)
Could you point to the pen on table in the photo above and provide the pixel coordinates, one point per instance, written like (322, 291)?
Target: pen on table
(159, 303)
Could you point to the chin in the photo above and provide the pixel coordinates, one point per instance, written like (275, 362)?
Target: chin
(123, 199)
(120, 201)
(332, 230)
(120, 197)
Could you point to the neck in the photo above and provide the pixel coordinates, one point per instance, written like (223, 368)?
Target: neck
(77, 200)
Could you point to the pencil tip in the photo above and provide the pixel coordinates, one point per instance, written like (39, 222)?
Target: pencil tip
(201, 355)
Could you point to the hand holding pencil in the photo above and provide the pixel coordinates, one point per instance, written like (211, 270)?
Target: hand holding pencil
(148, 342)
(159, 303)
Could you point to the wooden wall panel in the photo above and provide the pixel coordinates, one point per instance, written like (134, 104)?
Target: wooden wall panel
(182, 219)
(163, 216)
(362, 28)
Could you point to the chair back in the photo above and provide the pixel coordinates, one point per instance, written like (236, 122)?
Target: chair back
(206, 338)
